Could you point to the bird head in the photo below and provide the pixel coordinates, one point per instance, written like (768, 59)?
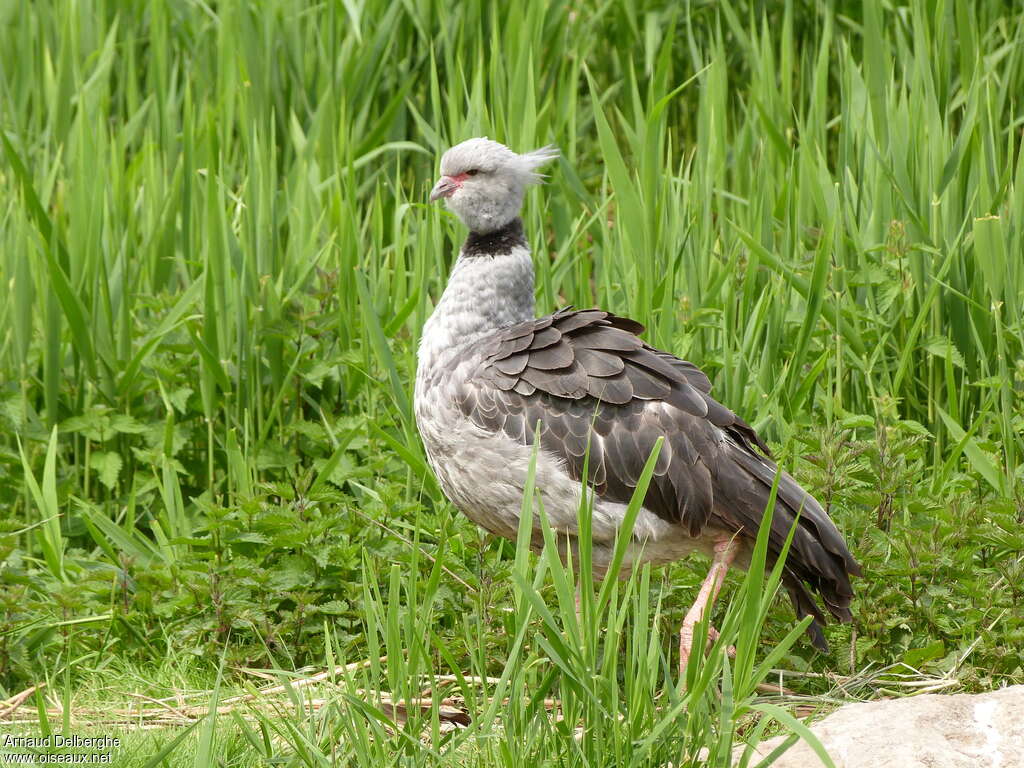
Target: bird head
(483, 181)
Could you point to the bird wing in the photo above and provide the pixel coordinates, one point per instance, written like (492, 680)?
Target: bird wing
(588, 379)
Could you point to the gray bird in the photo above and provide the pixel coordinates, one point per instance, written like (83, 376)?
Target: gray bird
(489, 370)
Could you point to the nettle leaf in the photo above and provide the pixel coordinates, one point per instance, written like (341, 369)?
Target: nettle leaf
(291, 572)
(14, 408)
(320, 370)
(914, 427)
(129, 425)
(944, 348)
(310, 429)
(91, 424)
(871, 274)
(939, 591)
(153, 458)
(344, 468)
(275, 519)
(335, 607)
(322, 554)
(106, 464)
(155, 433)
(863, 645)
(247, 537)
(179, 398)
(858, 421)
(359, 441)
(274, 455)
(887, 296)
(918, 656)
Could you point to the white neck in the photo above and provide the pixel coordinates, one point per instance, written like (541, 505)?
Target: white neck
(486, 291)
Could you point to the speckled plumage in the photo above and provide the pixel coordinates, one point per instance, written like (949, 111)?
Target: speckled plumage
(489, 370)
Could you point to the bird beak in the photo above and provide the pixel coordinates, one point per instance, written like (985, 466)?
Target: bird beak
(445, 187)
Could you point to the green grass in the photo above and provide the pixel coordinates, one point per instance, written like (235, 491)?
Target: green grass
(217, 257)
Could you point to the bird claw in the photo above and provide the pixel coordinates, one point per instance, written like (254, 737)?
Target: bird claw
(713, 635)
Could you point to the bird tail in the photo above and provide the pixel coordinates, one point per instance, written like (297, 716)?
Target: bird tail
(805, 605)
(818, 555)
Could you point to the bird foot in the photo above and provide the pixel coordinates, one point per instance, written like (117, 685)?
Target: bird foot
(713, 636)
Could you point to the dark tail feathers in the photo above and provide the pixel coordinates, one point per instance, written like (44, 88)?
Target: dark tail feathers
(818, 556)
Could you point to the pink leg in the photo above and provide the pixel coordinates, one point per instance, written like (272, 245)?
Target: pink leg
(725, 552)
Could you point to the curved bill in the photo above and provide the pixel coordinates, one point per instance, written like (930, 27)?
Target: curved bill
(445, 187)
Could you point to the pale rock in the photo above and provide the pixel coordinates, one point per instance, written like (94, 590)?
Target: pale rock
(928, 731)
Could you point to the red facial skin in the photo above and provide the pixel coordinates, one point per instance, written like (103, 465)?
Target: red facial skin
(448, 186)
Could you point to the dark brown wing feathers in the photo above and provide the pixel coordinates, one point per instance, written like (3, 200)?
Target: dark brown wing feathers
(574, 371)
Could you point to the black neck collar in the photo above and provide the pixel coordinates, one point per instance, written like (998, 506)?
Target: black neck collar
(497, 243)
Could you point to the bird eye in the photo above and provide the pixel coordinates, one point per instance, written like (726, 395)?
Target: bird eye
(473, 172)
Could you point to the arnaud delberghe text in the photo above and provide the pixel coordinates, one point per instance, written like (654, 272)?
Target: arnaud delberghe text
(57, 741)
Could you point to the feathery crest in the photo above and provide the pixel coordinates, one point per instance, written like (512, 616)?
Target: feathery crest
(531, 161)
